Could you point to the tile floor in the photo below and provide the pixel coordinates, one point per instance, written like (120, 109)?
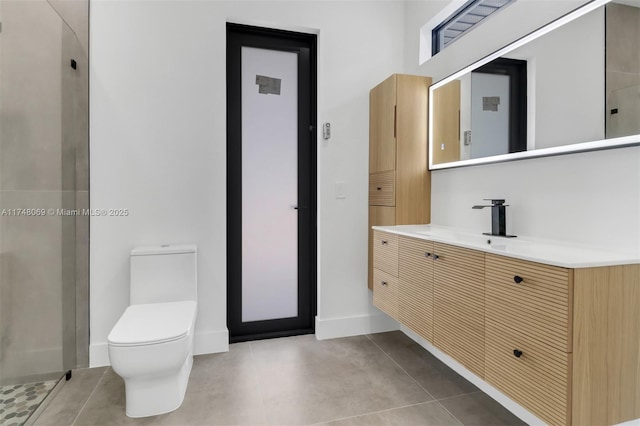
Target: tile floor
(380, 379)
(18, 402)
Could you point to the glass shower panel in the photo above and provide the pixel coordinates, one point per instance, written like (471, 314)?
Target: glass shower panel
(43, 134)
(269, 194)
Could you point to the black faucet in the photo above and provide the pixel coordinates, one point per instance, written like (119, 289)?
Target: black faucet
(498, 218)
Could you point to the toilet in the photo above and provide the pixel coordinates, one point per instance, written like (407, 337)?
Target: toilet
(151, 345)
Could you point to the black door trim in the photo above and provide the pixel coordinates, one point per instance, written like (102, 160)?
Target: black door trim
(305, 46)
(516, 69)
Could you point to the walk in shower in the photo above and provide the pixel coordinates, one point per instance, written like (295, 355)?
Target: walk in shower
(44, 225)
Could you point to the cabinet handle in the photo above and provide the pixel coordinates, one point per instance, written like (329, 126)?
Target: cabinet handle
(517, 353)
(384, 242)
(427, 254)
(517, 279)
(436, 257)
(379, 188)
(383, 283)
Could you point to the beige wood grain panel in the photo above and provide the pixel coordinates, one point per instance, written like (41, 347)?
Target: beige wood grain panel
(606, 345)
(446, 123)
(415, 270)
(382, 138)
(413, 185)
(538, 306)
(590, 310)
(459, 305)
(378, 216)
(539, 380)
(624, 344)
(385, 293)
(382, 188)
(385, 252)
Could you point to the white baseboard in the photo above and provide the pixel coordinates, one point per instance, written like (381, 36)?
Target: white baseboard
(211, 342)
(207, 342)
(485, 387)
(330, 328)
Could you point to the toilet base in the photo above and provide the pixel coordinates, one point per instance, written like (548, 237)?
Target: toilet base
(152, 396)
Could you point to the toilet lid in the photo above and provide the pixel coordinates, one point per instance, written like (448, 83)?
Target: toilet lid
(153, 323)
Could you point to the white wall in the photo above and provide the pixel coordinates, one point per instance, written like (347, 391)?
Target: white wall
(591, 198)
(556, 66)
(158, 138)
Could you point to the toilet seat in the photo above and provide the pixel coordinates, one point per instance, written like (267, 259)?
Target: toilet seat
(154, 323)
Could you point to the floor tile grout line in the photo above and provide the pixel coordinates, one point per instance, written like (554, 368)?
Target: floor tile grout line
(457, 396)
(412, 378)
(90, 395)
(376, 412)
(402, 368)
(254, 367)
(450, 413)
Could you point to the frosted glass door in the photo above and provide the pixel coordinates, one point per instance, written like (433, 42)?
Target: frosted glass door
(489, 114)
(269, 184)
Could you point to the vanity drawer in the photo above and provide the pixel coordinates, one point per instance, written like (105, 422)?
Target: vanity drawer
(533, 298)
(385, 293)
(382, 188)
(539, 379)
(385, 252)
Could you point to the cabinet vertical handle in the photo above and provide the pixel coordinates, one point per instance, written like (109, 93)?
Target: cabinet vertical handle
(517, 353)
(395, 120)
(517, 279)
(384, 242)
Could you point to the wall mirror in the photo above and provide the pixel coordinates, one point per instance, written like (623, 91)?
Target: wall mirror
(573, 85)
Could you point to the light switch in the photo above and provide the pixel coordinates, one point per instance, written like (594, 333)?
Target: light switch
(326, 131)
(341, 190)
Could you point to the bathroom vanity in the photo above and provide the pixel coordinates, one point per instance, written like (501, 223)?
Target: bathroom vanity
(554, 327)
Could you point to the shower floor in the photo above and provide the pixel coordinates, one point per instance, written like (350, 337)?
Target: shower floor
(18, 402)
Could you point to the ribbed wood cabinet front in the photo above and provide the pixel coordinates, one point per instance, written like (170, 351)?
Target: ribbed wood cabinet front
(458, 303)
(399, 178)
(415, 270)
(385, 273)
(529, 334)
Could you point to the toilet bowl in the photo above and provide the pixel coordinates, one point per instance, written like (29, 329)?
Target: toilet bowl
(151, 345)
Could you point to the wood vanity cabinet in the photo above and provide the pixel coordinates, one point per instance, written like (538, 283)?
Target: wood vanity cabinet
(399, 178)
(563, 343)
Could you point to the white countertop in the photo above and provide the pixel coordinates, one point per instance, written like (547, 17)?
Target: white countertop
(557, 253)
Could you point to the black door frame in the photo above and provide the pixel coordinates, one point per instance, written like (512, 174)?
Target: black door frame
(305, 45)
(516, 70)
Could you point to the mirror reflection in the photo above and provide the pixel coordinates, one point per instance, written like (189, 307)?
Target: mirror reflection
(577, 83)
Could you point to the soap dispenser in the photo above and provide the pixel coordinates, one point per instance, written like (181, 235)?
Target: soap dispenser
(498, 218)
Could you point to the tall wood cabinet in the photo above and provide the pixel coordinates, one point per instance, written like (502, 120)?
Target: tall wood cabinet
(399, 179)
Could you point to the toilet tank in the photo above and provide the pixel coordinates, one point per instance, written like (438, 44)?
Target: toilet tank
(164, 273)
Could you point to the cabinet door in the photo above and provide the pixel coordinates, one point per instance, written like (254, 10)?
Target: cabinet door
(413, 180)
(458, 293)
(382, 126)
(415, 271)
(378, 216)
